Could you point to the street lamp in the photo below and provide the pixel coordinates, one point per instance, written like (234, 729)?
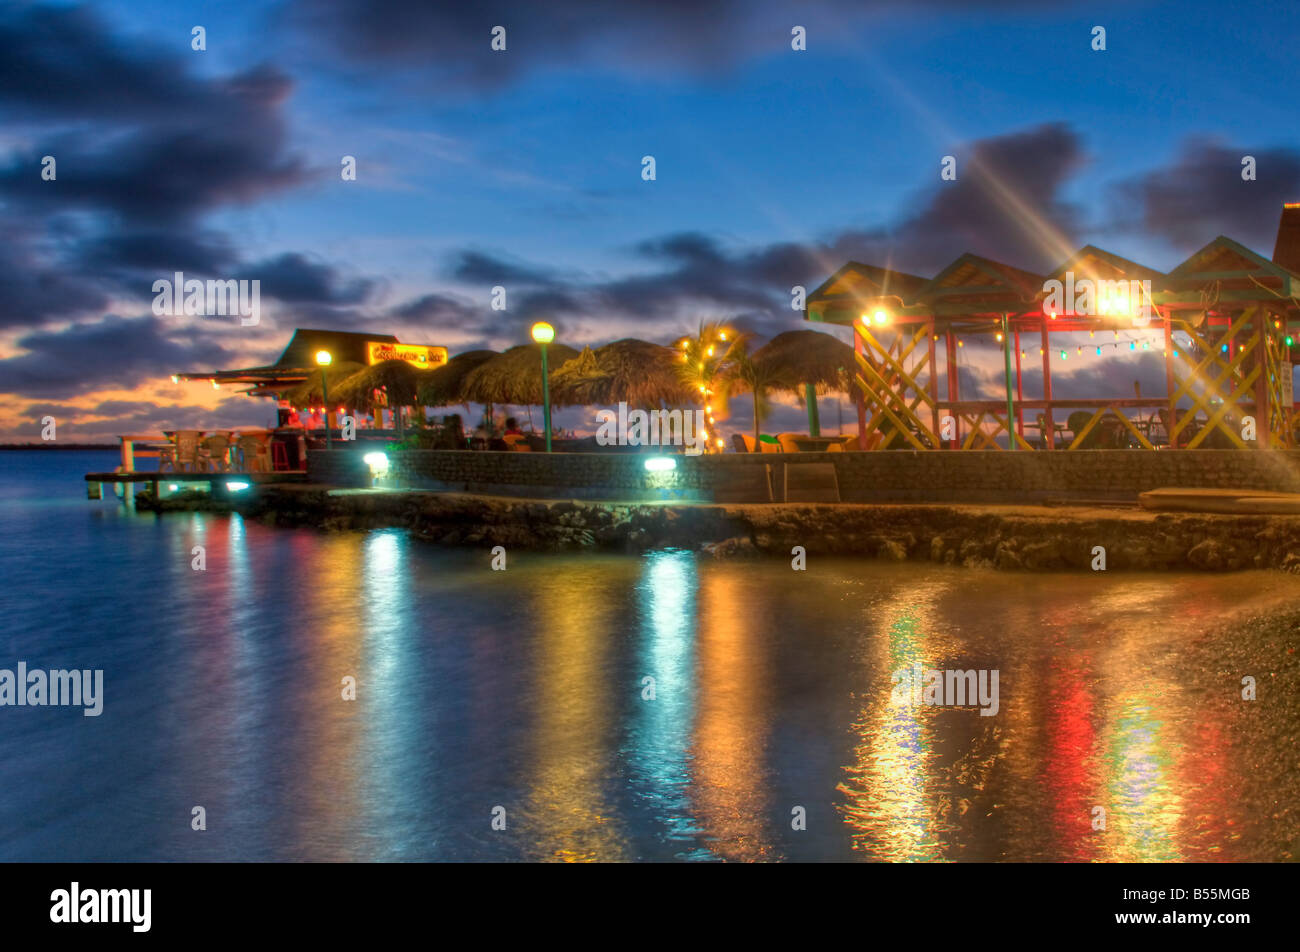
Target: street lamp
(324, 359)
(543, 334)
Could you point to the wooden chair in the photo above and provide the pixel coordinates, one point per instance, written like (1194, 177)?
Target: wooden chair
(517, 442)
(186, 457)
(167, 458)
(212, 452)
(739, 443)
(254, 454)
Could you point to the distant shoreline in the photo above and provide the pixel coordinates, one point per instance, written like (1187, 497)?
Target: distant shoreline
(53, 445)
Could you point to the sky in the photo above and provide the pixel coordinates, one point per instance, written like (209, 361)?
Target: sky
(522, 168)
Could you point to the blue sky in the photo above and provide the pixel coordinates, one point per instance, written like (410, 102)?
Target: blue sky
(522, 168)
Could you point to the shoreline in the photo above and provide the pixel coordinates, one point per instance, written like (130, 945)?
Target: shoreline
(1004, 537)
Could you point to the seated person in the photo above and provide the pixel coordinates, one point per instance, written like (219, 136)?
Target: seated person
(512, 427)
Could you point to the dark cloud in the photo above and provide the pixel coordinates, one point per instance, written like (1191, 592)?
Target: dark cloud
(144, 146)
(1005, 204)
(1202, 195)
(478, 267)
(641, 37)
(40, 284)
(123, 416)
(173, 166)
(1002, 184)
(296, 279)
(112, 352)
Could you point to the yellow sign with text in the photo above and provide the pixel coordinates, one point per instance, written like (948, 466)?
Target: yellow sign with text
(417, 355)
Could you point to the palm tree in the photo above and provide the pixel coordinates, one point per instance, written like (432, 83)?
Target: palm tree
(758, 377)
(707, 359)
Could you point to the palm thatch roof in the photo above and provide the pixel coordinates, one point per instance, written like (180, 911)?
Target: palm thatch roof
(443, 385)
(800, 357)
(401, 379)
(637, 372)
(515, 377)
(309, 391)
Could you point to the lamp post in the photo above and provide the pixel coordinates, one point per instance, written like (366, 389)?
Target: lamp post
(324, 359)
(543, 334)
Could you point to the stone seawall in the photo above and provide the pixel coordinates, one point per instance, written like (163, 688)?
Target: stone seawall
(1003, 537)
(891, 476)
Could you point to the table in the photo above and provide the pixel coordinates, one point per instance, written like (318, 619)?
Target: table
(816, 444)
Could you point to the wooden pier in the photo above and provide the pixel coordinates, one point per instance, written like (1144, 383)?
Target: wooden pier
(227, 483)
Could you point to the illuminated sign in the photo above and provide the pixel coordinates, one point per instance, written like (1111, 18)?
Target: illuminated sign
(426, 358)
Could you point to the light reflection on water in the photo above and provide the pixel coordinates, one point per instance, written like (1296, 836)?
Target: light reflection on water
(526, 689)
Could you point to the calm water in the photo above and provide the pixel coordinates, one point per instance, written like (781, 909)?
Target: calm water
(523, 689)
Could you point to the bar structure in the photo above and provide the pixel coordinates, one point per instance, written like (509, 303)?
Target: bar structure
(1223, 320)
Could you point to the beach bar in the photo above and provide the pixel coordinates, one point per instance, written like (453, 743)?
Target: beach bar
(1223, 321)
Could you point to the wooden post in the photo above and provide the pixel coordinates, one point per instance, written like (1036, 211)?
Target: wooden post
(1049, 424)
(1020, 392)
(128, 454)
(930, 384)
(859, 398)
(950, 371)
(1170, 386)
(1263, 392)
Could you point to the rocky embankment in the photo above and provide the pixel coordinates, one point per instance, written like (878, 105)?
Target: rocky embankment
(1003, 537)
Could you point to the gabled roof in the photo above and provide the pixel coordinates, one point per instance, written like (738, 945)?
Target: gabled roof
(1233, 265)
(1092, 262)
(342, 345)
(973, 276)
(864, 281)
(298, 360)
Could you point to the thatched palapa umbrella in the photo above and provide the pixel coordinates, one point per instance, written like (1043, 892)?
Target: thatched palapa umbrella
(444, 385)
(514, 377)
(636, 372)
(308, 392)
(807, 363)
(400, 379)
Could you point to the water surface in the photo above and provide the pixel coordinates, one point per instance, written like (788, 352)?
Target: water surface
(525, 689)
